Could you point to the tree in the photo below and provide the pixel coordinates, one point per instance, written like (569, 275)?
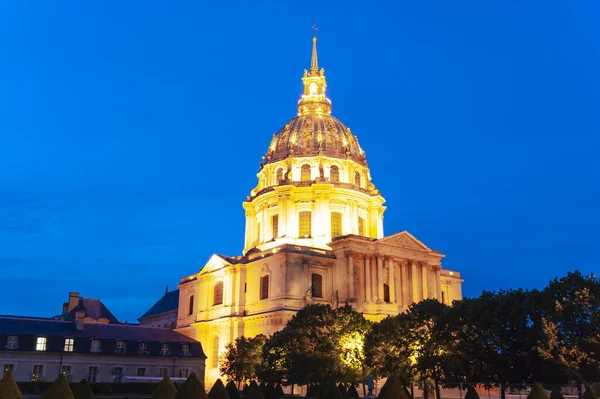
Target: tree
(83, 390)
(59, 389)
(242, 358)
(9, 388)
(192, 388)
(164, 390)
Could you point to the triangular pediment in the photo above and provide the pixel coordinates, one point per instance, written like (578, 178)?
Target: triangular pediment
(406, 240)
(214, 263)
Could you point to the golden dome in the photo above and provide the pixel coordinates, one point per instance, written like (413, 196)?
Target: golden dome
(315, 134)
(314, 131)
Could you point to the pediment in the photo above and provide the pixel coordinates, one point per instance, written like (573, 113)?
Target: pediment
(406, 240)
(214, 263)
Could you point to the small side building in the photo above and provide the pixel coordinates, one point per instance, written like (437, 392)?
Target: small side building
(164, 312)
(97, 347)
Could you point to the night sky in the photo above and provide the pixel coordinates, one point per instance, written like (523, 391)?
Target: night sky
(131, 132)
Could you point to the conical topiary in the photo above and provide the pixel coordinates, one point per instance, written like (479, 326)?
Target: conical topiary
(589, 393)
(83, 390)
(192, 388)
(164, 390)
(232, 390)
(59, 389)
(279, 391)
(538, 392)
(269, 391)
(312, 391)
(556, 394)
(471, 393)
(218, 391)
(392, 389)
(9, 388)
(343, 391)
(254, 391)
(352, 392)
(596, 387)
(246, 390)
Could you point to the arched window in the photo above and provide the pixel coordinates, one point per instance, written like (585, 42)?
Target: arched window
(279, 176)
(275, 226)
(336, 224)
(305, 174)
(357, 179)
(334, 174)
(317, 285)
(191, 305)
(264, 287)
(218, 294)
(304, 224)
(386, 293)
(361, 226)
(215, 352)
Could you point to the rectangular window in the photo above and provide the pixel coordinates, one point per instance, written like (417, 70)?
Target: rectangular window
(361, 227)
(185, 349)
(264, 287)
(191, 305)
(118, 374)
(163, 371)
(386, 293)
(317, 286)
(275, 226)
(120, 349)
(336, 224)
(96, 346)
(8, 367)
(184, 373)
(66, 370)
(304, 224)
(141, 372)
(142, 348)
(40, 343)
(12, 342)
(164, 349)
(38, 372)
(92, 374)
(443, 297)
(69, 343)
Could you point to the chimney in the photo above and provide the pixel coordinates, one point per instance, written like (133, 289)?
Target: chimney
(73, 300)
(65, 308)
(167, 290)
(79, 318)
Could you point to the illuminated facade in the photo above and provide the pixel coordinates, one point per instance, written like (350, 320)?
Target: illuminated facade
(314, 234)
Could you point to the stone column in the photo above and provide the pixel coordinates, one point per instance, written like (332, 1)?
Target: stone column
(367, 279)
(438, 284)
(415, 283)
(424, 280)
(283, 215)
(390, 264)
(379, 278)
(350, 268)
(404, 282)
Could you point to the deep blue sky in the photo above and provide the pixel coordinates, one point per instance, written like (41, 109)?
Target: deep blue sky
(131, 132)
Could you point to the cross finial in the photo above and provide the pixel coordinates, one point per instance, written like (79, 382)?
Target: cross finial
(315, 29)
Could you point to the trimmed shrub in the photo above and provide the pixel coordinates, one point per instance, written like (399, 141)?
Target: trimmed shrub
(312, 391)
(254, 391)
(343, 390)
(589, 393)
(538, 392)
(218, 391)
(471, 393)
(556, 394)
(192, 388)
(596, 388)
(83, 390)
(60, 389)
(232, 390)
(246, 390)
(352, 392)
(269, 391)
(279, 391)
(164, 390)
(9, 388)
(392, 389)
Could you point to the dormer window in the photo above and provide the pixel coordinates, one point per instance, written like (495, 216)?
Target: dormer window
(96, 346)
(40, 344)
(142, 348)
(164, 349)
(334, 174)
(357, 179)
(185, 349)
(279, 176)
(305, 172)
(12, 342)
(120, 349)
(69, 344)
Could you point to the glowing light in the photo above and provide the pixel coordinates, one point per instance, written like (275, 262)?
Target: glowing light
(352, 350)
(312, 89)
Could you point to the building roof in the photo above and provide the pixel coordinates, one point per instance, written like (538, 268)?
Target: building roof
(168, 303)
(29, 328)
(93, 308)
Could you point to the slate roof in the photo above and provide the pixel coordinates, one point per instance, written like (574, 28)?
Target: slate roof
(29, 328)
(93, 308)
(168, 303)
